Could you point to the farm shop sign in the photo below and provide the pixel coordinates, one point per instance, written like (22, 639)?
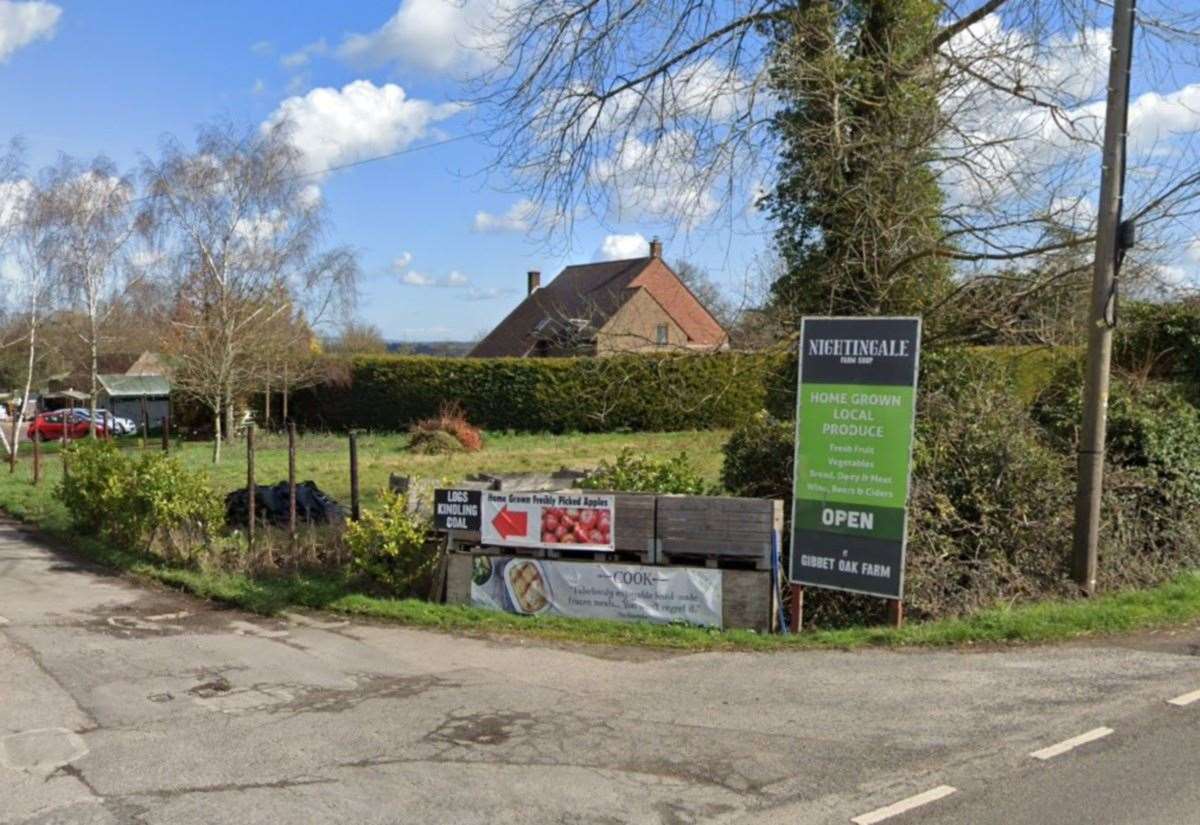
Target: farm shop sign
(571, 521)
(597, 590)
(854, 429)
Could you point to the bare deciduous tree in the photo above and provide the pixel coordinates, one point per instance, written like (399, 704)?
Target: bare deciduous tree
(238, 227)
(670, 108)
(92, 211)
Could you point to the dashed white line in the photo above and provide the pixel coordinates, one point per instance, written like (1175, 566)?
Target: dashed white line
(1186, 699)
(904, 805)
(1071, 744)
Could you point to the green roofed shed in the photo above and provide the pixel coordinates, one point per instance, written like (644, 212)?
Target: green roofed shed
(131, 396)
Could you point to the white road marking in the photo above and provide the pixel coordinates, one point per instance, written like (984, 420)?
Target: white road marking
(1185, 699)
(1071, 744)
(904, 805)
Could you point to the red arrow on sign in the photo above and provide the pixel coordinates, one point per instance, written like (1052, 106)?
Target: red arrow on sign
(509, 524)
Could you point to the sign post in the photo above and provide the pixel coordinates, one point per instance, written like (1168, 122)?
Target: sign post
(855, 406)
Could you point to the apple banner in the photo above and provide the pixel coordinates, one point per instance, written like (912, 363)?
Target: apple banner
(570, 521)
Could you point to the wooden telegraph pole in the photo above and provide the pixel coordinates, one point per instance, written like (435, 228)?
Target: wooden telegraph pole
(1102, 315)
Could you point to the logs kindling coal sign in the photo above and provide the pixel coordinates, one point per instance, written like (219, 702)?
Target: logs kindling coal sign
(854, 428)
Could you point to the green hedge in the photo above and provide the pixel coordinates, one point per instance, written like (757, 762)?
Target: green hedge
(635, 392)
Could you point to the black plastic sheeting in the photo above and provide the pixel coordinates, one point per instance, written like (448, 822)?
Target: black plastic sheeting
(313, 506)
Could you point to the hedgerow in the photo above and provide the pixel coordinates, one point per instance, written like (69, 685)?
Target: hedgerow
(992, 497)
(626, 392)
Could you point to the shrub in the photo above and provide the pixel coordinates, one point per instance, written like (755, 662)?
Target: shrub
(632, 473)
(139, 501)
(95, 480)
(758, 458)
(1162, 340)
(389, 547)
(164, 501)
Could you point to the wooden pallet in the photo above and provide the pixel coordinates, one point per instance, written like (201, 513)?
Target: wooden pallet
(718, 531)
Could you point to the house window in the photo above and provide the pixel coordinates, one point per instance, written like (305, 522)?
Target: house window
(660, 335)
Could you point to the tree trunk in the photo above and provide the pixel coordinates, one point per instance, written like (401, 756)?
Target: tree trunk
(285, 393)
(19, 412)
(267, 406)
(95, 363)
(217, 433)
(229, 421)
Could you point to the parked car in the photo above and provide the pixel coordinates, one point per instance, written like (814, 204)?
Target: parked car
(115, 424)
(49, 426)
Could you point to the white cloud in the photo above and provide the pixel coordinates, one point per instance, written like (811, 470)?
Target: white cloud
(23, 23)
(332, 127)
(620, 247)
(414, 278)
(1193, 250)
(263, 47)
(401, 261)
(518, 218)
(302, 56)
(451, 280)
(437, 35)
(259, 87)
(659, 180)
(1176, 280)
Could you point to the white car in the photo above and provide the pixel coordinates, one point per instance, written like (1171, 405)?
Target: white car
(114, 424)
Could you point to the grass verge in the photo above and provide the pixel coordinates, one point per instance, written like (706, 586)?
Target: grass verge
(1175, 602)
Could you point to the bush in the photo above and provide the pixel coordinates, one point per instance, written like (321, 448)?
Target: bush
(164, 501)
(389, 547)
(632, 473)
(452, 421)
(1161, 340)
(151, 502)
(623, 392)
(758, 458)
(93, 484)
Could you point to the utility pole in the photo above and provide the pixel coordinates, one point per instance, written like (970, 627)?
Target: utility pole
(1110, 239)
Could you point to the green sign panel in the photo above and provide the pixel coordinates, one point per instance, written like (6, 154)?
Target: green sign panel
(854, 427)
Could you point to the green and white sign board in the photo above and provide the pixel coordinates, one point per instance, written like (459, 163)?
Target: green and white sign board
(854, 428)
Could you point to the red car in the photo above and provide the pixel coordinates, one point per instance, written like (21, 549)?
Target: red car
(49, 426)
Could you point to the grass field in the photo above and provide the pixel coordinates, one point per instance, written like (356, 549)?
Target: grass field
(325, 459)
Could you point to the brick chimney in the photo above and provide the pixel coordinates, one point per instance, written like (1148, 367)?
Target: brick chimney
(655, 247)
(534, 280)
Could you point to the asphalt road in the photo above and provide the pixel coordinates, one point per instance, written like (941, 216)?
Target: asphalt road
(122, 704)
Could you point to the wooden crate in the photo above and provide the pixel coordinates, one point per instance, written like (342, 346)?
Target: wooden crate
(718, 531)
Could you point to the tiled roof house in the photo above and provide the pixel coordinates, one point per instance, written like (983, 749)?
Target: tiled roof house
(635, 305)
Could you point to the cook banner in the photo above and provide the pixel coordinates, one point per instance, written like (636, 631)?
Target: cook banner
(597, 590)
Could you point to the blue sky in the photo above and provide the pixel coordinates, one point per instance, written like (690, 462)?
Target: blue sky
(113, 77)
(443, 247)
